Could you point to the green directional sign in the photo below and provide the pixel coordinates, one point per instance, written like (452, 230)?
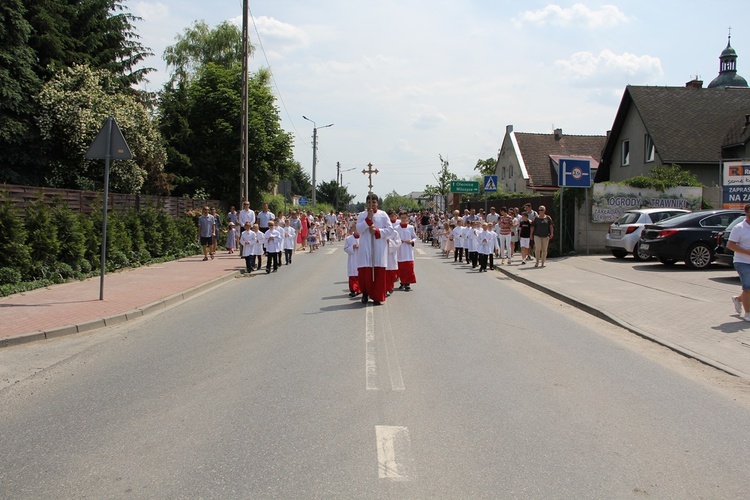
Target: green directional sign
(465, 187)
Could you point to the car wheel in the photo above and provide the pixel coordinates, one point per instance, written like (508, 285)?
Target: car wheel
(619, 254)
(640, 255)
(666, 261)
(699, 256)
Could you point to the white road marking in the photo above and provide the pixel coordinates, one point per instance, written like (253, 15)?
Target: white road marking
(371, 367)
(391, 355)
(420, 251)
(330, 251)
(394, 452)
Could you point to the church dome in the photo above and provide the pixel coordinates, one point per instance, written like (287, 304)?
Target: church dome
(728, 76)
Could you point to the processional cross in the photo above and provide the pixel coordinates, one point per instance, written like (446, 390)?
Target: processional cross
(369, 171)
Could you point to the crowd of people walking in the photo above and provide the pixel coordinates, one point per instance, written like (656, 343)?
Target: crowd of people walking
(380, 245)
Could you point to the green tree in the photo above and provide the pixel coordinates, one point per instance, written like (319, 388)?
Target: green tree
(96, 33)
(326, 193)
(72, 109)
(205, 136)
(13, 250)
(394, 201)
(663, 177)
(486, 167)
(444, 178)
(18, 85)
(200, 45)
(301, 182)
(42, 237)
(69, 234)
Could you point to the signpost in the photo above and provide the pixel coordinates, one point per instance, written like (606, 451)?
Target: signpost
(108, 145)
(490, 186)
(573, 172)
(465, 187)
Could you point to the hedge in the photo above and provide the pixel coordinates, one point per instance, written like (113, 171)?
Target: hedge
(54, 245)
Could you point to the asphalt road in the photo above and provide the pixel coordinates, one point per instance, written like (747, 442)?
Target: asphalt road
(281, 386)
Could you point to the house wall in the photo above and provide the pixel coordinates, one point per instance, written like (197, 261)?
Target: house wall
(634, 132)
(508, 169)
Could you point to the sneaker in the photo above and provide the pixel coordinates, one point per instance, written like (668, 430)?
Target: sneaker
(746, 317)
(737, 304)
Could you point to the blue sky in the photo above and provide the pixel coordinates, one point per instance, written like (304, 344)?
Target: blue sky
(406, 81)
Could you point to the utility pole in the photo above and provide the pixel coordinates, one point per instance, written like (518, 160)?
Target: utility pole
(338, 185)
(315, 154)
(244, 174)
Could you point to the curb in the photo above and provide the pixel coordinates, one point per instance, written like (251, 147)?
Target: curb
(154, 307)
(615, 320)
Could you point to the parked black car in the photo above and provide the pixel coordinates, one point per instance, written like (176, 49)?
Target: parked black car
(724, 255)
(690, 237)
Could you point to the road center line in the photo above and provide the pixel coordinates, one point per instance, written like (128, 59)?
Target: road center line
(394, 452)
(391, 355)
(371, 367)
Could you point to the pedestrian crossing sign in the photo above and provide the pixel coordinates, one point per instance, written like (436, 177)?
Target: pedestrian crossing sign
(490, 184)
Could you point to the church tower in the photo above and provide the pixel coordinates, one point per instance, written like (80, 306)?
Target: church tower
(728, 76)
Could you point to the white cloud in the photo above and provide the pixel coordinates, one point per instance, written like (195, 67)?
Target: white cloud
(276, 36)
(151, 11)
(427, 120)
(585, 66)
(606, 17)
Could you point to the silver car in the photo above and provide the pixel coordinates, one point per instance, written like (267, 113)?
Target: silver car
(623, 235)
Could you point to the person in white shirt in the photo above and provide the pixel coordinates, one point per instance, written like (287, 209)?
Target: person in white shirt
(739, 243)
(247, 240)
(406, 252)
(264, 218)
(246, 215)
(458, 250)
(351, 248)
(290, 242)
(274, 245)
(472, 242)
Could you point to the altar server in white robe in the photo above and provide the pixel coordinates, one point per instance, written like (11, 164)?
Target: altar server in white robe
(406, 252)
(290, 241)
(274, 245)
(391, 268)
(373, 227)
(351, 248)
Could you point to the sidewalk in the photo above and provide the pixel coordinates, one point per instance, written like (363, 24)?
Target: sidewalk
(75, 307)
(688, 311)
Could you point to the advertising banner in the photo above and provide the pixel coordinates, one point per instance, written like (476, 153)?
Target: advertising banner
(611, 200)
(736, 184)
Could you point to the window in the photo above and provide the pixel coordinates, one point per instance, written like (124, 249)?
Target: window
(510, 172)
(503, 177)
(649, 149)
(625, 153)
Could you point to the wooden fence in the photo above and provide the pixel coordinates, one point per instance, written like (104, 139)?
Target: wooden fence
(87, 201)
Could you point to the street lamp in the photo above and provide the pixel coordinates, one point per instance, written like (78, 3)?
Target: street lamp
(340, 180)
(315, 153)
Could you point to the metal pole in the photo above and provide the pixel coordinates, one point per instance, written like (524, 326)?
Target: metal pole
(107, 159)
(315, 161)
(338, 185)
(244, 174)
(562, 232)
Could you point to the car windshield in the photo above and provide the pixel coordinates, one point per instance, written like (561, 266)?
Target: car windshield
(628, 218)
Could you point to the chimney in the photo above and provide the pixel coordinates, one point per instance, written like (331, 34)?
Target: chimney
(558, 134)
(508, 129)
(694, 84)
